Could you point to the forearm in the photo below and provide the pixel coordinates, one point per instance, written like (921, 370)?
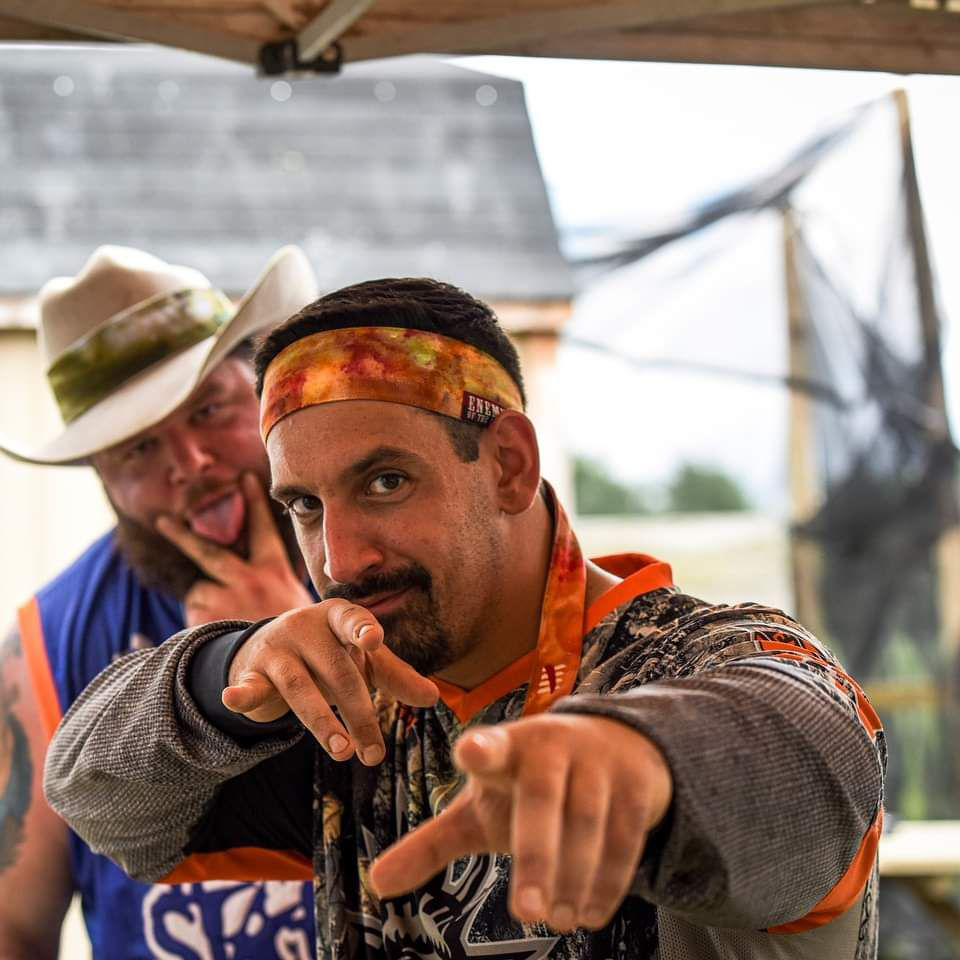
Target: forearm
(134, 766)
(775, 786)
(16, 945)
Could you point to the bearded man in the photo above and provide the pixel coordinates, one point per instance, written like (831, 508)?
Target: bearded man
(151, 370)
(622, 770)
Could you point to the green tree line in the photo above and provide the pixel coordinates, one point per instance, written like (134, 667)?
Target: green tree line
(693, 488)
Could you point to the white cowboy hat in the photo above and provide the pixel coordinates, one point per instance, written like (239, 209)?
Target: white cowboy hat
(129, 338)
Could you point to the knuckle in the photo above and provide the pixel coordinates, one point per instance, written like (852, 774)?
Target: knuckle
(553, 732)
(632, 804)
(340, 674)
(322, 722)
(299, 619)
(336, 608)
(622, 837)
(206, 550)
(584, 818)
(289, 677)
(367, 731)
(542, 795)
(586, 806)
(531, 862)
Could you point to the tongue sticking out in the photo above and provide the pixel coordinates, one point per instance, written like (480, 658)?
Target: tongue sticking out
(222, 521)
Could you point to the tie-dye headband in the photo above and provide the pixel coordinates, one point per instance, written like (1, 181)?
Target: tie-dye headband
(391, 364)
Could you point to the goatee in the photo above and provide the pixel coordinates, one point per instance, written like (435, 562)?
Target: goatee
(415, 633)
(159, 565)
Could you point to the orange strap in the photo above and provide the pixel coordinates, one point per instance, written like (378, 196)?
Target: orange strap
(851, 885)
(38, 666)
(641, 574)
(798, 650)
(847, 890)
(465, 704)
(557, 656)
(243, 864)
(551, 669)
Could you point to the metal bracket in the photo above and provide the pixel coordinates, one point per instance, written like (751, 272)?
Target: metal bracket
(315, 48)
(283, 57)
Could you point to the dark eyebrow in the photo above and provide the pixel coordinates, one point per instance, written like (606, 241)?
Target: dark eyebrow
(211, 388)
(285, 493)
(391, 455)
(394, 456)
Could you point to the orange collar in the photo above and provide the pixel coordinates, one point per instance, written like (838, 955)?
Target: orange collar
(551, 669)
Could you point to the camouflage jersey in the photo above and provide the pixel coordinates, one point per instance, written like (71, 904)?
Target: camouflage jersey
(768, 849)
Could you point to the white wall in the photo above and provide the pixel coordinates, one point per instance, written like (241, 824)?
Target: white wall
(47, 514)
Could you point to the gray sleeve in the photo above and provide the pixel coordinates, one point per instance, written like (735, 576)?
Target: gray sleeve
(777, 778)
(134, 767)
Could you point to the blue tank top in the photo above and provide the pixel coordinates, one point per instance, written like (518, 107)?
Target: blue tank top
(92, 613)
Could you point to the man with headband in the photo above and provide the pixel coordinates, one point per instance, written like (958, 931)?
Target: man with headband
(480, 743)
(151, 370)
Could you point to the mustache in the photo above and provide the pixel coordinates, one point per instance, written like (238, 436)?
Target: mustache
(204, 488)
(392, 582)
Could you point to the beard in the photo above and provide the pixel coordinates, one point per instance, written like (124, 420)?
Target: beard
(416, 633)
(159, 565)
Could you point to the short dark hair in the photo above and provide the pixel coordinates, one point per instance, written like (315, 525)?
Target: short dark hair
(244, 350)
(409, 303)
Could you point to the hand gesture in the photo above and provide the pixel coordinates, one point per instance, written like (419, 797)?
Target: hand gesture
(570, 798)
(263, 585)
(312, 659)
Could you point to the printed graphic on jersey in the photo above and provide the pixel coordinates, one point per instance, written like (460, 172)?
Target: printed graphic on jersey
(228, 921)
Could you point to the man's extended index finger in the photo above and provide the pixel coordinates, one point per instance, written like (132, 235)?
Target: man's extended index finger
(396, 677)
(420, 855)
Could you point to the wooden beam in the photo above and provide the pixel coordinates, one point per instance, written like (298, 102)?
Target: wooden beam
(17, 31)
(848, 53)
(875, 21)
(498, 34)
(875, 37)
(112, 23)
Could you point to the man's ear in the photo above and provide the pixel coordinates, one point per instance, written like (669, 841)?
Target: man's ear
(512, 440)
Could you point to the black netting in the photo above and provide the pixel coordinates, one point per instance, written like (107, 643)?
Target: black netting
(872, 467)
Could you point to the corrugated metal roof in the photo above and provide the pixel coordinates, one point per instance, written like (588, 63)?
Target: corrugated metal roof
(401, 167)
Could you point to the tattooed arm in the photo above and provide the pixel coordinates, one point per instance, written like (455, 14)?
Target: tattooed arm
(35, 883)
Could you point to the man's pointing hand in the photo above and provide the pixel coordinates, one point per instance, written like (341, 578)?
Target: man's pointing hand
(327, 655)
(570, 798)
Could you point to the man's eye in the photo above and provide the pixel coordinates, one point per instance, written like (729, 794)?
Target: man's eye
(304, 506)
(139, 449)
(207, 411)
(387, 483)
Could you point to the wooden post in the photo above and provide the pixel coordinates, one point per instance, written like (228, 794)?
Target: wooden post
(948, 545)
(946, 558)
(535, 329)
(806, 495)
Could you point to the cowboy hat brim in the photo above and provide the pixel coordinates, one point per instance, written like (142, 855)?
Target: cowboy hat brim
(286, 284)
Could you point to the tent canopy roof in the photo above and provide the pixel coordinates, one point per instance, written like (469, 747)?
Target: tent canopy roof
(909, 36)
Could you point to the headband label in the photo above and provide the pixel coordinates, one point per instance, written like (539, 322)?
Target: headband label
(479, 410)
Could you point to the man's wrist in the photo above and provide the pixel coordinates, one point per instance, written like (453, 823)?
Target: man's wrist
(208, 674)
